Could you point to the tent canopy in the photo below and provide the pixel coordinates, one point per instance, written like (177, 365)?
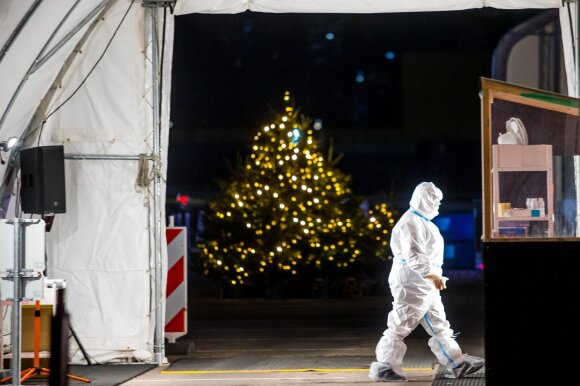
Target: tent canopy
(87, 75)
(348, 6)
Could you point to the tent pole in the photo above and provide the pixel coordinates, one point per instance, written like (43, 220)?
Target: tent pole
(124, 157)
(90, 16)
(576, 45)
(18, 28)
(575, 42)
(159, 344)
(33, 67)
(576, 93)
(40, 114)
(16, 335)
(577, 158)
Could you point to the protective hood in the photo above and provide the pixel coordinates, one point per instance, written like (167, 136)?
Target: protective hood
(426, 199)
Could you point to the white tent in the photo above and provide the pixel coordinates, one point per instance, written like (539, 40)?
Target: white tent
(94, 76)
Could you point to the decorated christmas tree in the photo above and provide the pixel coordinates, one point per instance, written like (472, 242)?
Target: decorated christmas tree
(288, 213)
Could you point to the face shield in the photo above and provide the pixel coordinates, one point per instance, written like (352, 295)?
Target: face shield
(426, 199)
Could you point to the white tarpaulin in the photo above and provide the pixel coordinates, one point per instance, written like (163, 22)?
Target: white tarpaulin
(103, 106)
(350, 6)
(80, 74)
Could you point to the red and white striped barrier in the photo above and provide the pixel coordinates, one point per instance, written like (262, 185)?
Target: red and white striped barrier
(176, 292)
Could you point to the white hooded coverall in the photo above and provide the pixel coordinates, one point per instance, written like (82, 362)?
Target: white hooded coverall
(417, 248)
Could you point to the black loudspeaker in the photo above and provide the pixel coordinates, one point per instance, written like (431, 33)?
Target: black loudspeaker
(43, 185)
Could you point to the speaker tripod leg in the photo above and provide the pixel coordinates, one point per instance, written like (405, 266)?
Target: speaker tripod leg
(45, 371)
(78, 341)
(29, 374)
(22, 374)
(77, 378)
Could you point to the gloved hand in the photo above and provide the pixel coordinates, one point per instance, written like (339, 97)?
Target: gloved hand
(437, 280)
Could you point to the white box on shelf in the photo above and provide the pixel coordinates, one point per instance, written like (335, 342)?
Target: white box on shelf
(522, 156)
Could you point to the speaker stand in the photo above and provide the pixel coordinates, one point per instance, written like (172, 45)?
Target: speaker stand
(36, 368)
(78, 342)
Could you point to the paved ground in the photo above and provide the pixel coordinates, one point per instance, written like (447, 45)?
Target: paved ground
(310, 341)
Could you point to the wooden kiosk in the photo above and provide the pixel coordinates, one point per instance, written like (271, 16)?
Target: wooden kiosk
(530, 272)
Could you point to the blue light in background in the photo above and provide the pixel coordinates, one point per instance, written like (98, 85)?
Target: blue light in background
(360, 76)
(458, 232)
(456, 226)
(389, 55)
(296, 134)
(443, 223)
(449, 252)
(329, 36)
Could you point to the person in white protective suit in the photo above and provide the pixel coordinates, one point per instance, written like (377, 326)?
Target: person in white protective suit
(415, 280)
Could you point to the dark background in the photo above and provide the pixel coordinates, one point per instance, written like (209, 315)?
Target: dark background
(414, 117)
(397, 95)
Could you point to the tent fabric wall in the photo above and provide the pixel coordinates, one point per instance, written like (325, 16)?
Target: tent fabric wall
(28, 46)
(103, 246)
(349, 6)
(101, 256)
